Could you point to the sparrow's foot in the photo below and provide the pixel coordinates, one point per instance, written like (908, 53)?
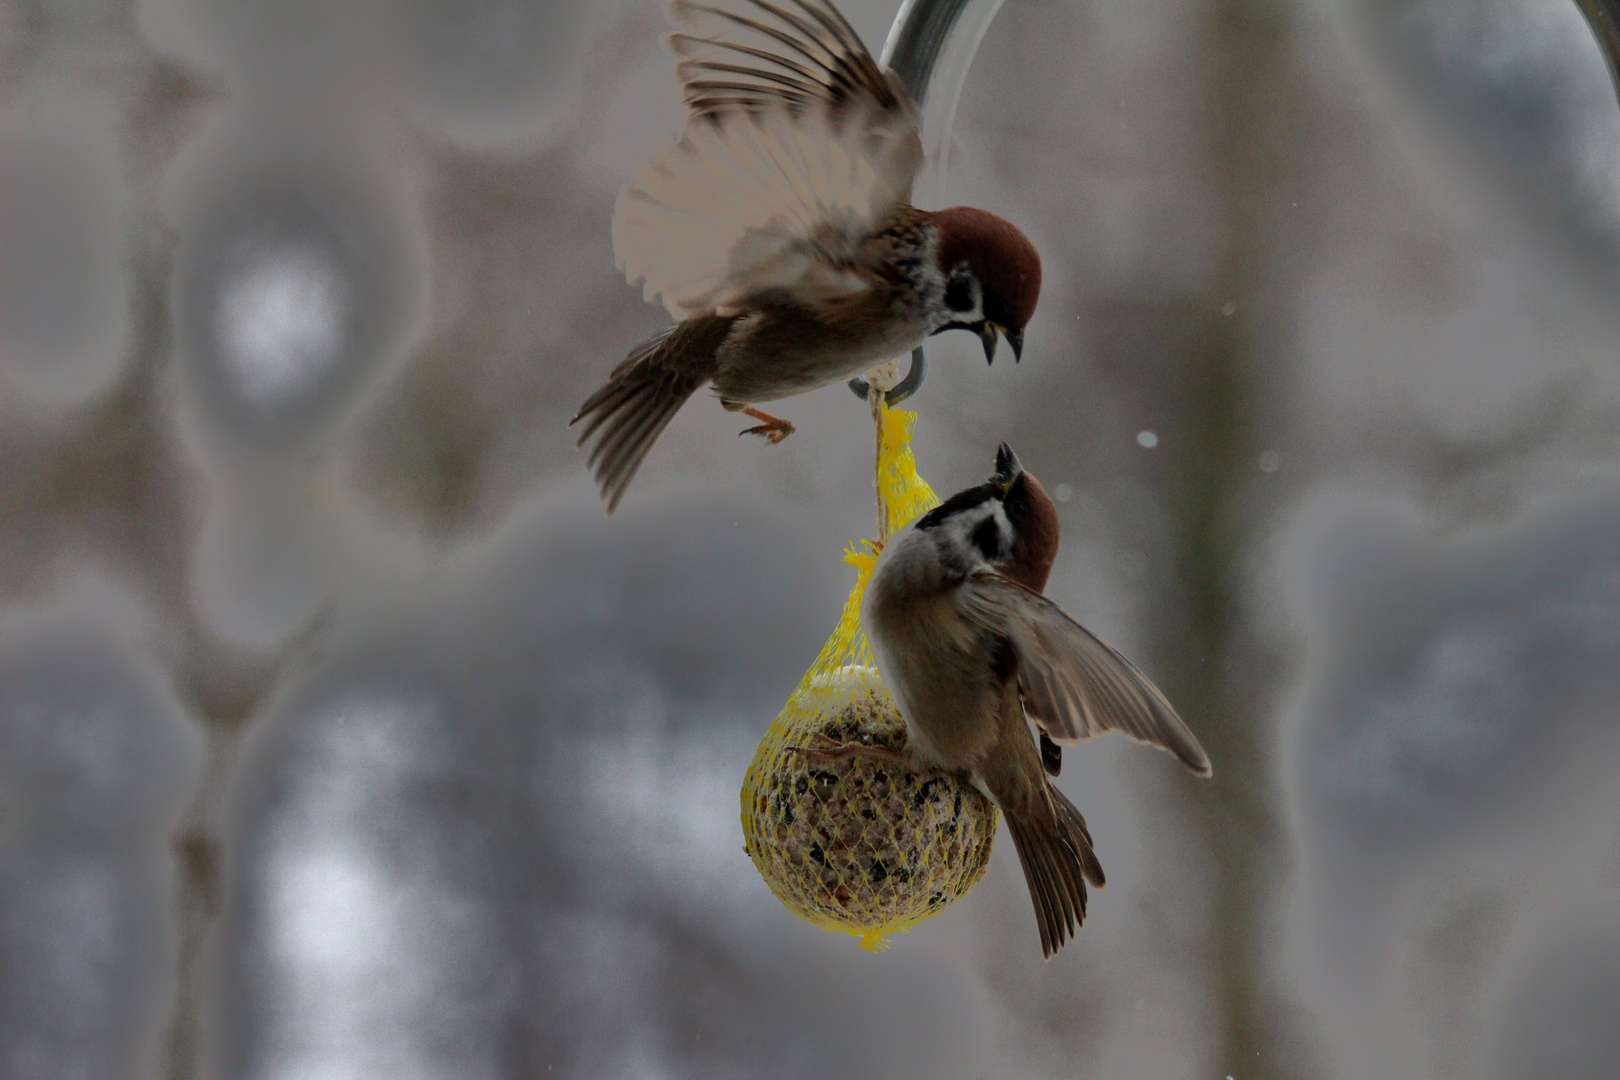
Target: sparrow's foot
(774, 428)
(834, 751)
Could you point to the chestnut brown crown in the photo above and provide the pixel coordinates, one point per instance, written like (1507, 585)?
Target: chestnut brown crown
(1034, 517)
(1000, 256)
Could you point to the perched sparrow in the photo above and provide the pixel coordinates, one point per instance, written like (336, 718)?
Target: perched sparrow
(777, 230)
(969, 647)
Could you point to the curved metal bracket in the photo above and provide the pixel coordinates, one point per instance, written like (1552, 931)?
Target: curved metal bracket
(902, 389)
(1603, 16)
(931, 46)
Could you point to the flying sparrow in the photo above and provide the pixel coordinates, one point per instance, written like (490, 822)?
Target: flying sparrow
(777, 231)
(969, 648)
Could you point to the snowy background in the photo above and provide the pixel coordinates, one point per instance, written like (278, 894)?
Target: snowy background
(341, 737)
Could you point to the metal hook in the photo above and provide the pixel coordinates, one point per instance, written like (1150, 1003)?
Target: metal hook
(902, 389)
(931, 46)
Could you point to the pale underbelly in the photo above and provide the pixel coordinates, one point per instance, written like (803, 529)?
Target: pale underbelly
(945, 696)
(750, 376)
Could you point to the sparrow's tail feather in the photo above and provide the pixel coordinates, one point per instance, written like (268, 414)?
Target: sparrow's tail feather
(1075, 825)
(1054, 847)
(642, 395)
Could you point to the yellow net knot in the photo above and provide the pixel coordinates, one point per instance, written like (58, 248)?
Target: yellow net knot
(861, 843)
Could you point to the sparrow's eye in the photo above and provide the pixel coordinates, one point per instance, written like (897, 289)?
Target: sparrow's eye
(1018, 508)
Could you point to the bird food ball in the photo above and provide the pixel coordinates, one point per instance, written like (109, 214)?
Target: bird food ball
(859, 843)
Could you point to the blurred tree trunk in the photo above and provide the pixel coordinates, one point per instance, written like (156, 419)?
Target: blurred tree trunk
(1232, 378)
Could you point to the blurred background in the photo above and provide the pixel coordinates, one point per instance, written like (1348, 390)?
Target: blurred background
(342, 737)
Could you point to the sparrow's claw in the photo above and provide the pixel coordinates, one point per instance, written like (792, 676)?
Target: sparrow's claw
(835, 750)
(771, 432)
(774, 428)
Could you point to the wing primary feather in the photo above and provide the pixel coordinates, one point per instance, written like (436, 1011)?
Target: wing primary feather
(788, 91)
(804, 150)
(713, 109)
(779, 36)
(682, 44)
(685, 44)
(833, 19)
(809, 32)
(825, 40)
(854, 58)
(798, 86)
(1075, 684)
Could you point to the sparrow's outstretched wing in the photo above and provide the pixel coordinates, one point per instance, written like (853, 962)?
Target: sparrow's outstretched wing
(797, 147)
(748, 55)
(1074, 684)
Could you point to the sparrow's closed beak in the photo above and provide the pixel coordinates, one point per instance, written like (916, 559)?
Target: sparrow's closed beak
(1008, 468)
(987, 334)
(1015, 338)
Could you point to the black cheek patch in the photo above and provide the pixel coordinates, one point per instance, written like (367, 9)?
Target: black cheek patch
(987, 538)
(959, 293)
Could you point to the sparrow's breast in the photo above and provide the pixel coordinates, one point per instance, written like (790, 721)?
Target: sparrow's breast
(938, 664)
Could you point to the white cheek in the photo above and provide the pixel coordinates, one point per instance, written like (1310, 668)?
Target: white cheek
(908, 563)
(959, 539)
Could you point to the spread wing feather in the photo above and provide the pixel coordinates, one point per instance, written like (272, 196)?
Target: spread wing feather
(762, 47)
(1074, 684)
(797, 147)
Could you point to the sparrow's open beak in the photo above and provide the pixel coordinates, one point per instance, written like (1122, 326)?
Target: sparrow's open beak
(1015, 338)
(987, 334)
(1008, 468)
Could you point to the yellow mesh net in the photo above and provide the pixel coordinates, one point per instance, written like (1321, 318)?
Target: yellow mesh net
(861, 844)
